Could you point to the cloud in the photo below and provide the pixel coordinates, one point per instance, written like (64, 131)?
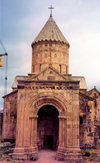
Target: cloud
(2, 90)
(19, 63)
(78, 20)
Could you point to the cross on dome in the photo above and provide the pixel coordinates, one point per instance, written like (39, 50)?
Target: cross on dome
(51, 8)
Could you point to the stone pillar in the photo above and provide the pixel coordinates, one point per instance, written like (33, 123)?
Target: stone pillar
(73, 152)
(62, 138)
(33, 137)
(27, 152)
(19, 151)
(98, 149)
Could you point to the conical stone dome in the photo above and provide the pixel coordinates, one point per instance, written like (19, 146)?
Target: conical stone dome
(50, 48)
(50, 31)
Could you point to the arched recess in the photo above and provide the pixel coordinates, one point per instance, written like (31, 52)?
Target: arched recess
(60, 106)
(49, 100)
(48, 127)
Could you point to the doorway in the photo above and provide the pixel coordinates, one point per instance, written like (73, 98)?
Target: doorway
(48, 127)
(48, 142)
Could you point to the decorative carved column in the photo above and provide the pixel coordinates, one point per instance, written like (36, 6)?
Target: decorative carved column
(62, 138)
(73, 152)
(33, 136)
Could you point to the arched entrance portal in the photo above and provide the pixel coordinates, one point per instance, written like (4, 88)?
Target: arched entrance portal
(48, 127)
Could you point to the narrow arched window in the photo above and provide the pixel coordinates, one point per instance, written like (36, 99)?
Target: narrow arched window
(81, 120)
(40, 67)
(60, 68)
(33, 68)
(66, 69)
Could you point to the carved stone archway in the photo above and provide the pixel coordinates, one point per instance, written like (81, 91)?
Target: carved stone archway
(39, 103)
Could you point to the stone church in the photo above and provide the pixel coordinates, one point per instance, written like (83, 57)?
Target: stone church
(49, 108)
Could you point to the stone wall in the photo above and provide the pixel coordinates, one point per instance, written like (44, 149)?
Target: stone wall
(9, 118)
(1, 122)
(97, 103)
(95, 94)
(54, 53)
(87, 121)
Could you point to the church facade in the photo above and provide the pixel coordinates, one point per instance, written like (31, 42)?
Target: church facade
(49, 108)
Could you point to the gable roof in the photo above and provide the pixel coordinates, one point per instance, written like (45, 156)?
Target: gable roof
(15, 83)
(43, 75)
(50, 31)
(82, 81)
(93, 92)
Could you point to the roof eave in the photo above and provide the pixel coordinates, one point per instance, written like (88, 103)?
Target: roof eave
(36, 42)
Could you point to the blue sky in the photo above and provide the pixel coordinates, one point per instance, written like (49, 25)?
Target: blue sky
(79, 21)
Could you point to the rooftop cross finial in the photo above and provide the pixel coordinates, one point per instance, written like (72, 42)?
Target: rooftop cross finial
(51, 8)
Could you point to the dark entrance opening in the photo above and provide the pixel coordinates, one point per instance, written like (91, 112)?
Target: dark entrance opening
(48, 127)
(48, 142)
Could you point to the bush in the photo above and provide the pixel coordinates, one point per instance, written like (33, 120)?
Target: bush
(0, 155)
(87, 153)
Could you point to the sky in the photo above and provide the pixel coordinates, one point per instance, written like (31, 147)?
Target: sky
(79, 21)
